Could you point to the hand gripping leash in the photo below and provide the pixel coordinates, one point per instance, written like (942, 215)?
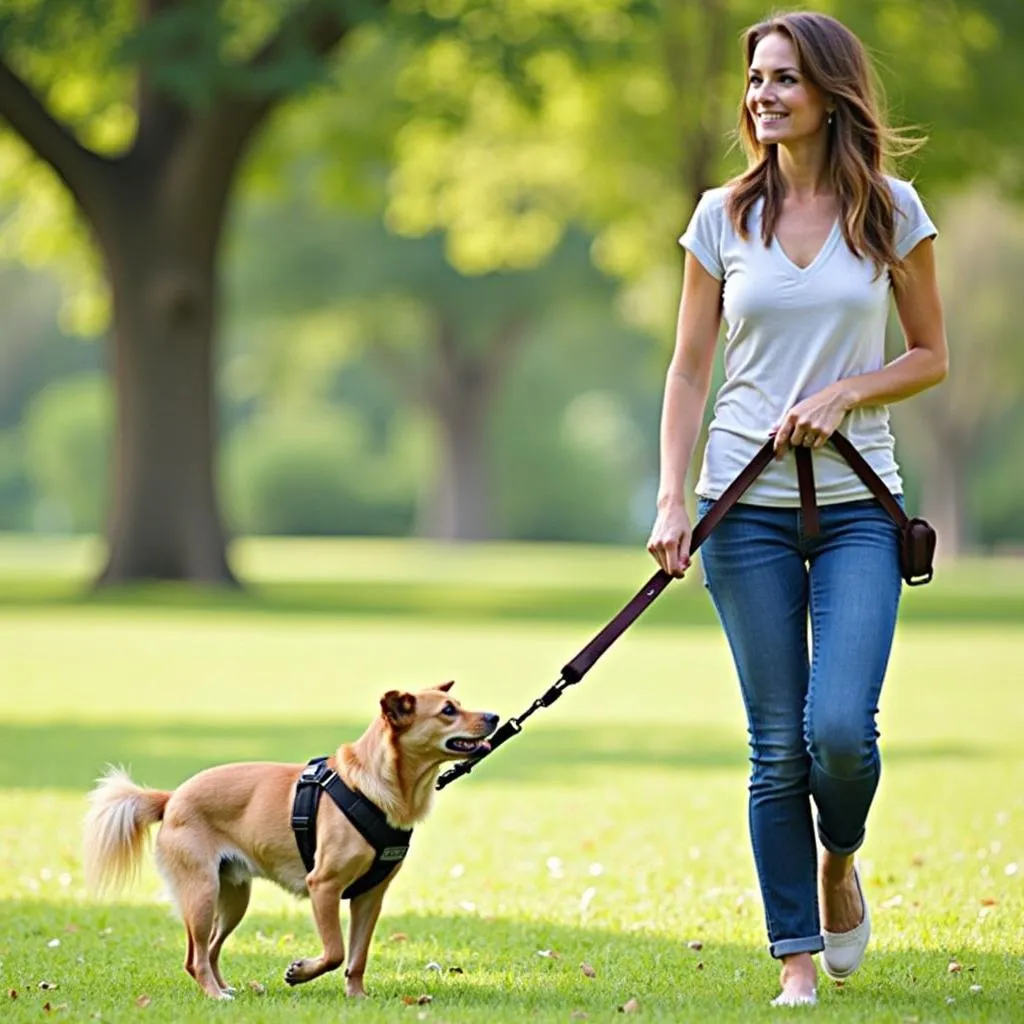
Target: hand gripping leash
(641, 601)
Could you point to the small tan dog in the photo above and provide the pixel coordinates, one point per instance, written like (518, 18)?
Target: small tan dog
(228, 824)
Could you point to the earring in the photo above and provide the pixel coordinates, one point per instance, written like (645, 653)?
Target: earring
(830, 118)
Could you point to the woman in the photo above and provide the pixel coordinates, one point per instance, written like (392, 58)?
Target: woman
(800, 254)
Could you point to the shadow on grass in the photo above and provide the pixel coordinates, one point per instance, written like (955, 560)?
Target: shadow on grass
(69, 755)
(111, 955)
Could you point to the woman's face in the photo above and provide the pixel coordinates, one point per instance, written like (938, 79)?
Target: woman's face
(784, 105)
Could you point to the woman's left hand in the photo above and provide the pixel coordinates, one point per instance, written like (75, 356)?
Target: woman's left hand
(812, 422)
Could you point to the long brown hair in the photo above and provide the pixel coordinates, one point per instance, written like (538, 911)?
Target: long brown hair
(860, 143)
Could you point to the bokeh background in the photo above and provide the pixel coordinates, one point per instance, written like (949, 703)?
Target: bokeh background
(411, 269)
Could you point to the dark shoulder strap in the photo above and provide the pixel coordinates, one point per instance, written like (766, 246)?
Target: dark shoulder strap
(304, 808)
(869, 478)
(750, 472)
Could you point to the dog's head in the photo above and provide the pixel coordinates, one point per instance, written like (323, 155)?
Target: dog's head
(433, 725)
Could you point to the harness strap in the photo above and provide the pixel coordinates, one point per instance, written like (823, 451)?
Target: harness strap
(808, 495)
(390, 844)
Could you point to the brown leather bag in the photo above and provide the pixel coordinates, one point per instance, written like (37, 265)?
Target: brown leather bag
(917, 536)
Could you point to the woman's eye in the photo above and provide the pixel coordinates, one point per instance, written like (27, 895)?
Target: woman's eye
(788, 80)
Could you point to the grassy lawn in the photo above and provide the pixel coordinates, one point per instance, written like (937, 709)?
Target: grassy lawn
(612, 832)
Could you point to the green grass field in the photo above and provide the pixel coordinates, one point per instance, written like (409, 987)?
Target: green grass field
(612, 832)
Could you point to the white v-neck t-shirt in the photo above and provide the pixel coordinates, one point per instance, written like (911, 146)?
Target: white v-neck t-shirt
(790, 332)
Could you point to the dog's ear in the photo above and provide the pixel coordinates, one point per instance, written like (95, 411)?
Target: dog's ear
(398, 708)
(447, 686)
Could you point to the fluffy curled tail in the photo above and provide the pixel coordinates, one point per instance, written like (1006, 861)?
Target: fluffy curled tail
(120, 812)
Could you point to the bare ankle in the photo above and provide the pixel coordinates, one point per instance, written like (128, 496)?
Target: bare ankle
(836, 868)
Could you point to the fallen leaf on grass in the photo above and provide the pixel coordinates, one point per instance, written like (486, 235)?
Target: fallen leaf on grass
(892, 901)
(142, 1002)
(258, 988)
(12, 993)
(550, 954)
(417, 1000)
(456, 970)
(588, 970)
(695, 944)
(954, 967)
(630, 1006)
(46, 986)
(399, 937)
(700, 965)
(975, 988)
(988, 901)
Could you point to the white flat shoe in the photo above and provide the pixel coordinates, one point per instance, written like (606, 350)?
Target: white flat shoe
(844, 951)
(787, 999)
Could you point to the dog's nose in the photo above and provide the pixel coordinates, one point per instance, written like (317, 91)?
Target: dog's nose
(491, 719)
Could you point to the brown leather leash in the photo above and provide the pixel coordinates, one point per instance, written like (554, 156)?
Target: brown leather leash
(575, 670)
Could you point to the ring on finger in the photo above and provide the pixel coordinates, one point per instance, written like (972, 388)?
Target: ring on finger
(808, 441)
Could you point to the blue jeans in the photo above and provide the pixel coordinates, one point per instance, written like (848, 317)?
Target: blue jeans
(811, 717)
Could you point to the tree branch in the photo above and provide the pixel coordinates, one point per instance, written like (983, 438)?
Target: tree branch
(321, 27)
(215, 141)
(77, 166)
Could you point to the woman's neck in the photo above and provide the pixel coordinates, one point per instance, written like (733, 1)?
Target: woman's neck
(805, 170)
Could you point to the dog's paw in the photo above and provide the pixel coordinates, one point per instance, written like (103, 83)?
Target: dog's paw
(297, 972)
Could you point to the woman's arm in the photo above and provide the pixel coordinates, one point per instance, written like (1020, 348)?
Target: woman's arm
(923, 365)
(686, 392)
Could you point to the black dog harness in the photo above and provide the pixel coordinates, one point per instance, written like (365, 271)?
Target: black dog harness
(390, 844)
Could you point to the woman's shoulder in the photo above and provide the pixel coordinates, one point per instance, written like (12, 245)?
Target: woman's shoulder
(714, 199)
(903, 192)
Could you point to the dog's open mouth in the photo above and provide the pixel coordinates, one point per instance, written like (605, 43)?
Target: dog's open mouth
(467, 745)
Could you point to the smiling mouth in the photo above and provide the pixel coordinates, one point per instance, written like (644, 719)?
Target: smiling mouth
(467, 745)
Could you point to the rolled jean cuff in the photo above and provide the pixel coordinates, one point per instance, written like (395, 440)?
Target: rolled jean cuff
(790, 947)
(836, 848)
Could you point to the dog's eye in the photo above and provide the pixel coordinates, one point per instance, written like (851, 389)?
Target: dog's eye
(449, 710)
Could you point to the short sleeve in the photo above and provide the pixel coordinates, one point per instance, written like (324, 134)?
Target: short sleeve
(703, 235)
(913, 224)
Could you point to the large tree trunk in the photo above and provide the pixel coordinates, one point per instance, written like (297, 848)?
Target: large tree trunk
(164, 521)
(943, 504)
(460, 389)
(157, 213)
(459, 506)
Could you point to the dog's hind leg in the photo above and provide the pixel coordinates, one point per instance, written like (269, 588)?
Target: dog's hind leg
(326, 899)
(232, 904)
(193, 882)
(197, 900)
(363, 913)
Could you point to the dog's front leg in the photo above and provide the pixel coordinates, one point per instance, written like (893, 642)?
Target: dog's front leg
(363, 913)
(325, 895)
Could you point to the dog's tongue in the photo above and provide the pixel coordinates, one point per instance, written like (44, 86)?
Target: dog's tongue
(482, 748)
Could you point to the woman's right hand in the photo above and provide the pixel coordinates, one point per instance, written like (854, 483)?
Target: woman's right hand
(669, 542)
